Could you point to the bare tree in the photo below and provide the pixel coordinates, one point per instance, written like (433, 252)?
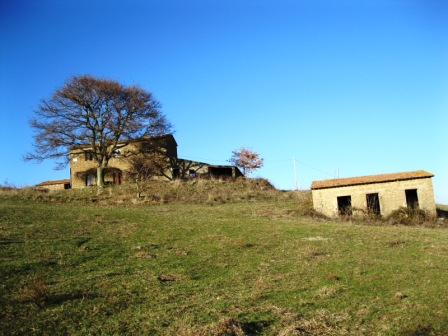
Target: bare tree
(148, 164)
(141, 170)
(247, 160)
(100, 113)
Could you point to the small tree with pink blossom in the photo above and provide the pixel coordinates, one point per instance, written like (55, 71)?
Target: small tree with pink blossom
(247, 160)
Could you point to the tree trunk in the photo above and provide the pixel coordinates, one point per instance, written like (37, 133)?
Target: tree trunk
(100, 176)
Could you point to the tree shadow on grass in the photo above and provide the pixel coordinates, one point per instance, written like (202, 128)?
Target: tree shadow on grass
(417, 331)
(61, 298)
(255, 328)
(230, 326)
(10, 242)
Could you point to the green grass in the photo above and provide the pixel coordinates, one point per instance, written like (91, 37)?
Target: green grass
(227, 266)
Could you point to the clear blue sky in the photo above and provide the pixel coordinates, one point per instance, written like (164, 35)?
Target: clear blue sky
(344, 87)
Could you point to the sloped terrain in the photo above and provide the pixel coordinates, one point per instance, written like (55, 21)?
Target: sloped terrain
(235, 259)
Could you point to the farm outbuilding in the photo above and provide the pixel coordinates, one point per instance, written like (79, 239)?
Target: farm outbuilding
(374, 194)
(54, 185)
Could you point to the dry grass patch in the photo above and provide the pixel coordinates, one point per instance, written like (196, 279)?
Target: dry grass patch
(224, 327)
(327, 291)
(323, 323)
(35, 291)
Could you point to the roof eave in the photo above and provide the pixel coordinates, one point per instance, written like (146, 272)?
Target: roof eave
(427, 175)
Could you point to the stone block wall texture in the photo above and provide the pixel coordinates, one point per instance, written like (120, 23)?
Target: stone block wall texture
(391, 195)
(54, 187)
(79, 165)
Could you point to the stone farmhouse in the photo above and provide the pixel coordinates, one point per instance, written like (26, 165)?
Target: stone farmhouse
(167, 167)
(375, 194)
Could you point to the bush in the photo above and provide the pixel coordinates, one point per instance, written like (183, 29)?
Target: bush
(410, 217)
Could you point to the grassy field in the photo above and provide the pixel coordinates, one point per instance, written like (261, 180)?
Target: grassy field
(253, 262)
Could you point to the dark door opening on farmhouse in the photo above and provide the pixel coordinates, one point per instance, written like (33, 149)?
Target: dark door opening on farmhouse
(373, 204)
(176, 173)
(345, 205)
(90, 180)
(412, 198)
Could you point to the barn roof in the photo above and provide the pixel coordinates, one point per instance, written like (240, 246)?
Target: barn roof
(381, 178)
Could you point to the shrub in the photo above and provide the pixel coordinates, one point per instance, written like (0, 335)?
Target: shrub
(411, 217)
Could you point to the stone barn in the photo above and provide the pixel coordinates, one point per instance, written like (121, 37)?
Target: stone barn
(54, 185)
(375, 194)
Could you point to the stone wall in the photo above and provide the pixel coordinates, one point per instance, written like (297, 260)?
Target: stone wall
(392, 195)
(80, 168)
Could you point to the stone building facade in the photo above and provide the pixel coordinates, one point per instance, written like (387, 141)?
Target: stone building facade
(167, 165)
(375, 194)
(54, 185)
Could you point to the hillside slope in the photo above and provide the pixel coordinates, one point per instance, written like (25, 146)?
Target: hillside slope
(82, 263)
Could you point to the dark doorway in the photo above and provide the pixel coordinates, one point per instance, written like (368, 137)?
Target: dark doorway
(345, 205)
(176, 173)
(373, 204)
(90, 180)
(412, 198)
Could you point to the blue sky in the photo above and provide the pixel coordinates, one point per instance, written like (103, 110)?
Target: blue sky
(346, 88)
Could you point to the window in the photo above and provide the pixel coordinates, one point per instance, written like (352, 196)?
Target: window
(88, 155)
(373, 204)
(345, 205)
(411, 198)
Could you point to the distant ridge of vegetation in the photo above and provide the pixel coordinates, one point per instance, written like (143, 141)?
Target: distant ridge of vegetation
(192, 191)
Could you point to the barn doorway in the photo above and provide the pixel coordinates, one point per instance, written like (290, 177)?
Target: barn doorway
(373, 204)
(345, 205)
(411, 198)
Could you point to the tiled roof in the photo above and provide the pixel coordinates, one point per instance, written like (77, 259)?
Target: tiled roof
(343, 182)
(52, 182)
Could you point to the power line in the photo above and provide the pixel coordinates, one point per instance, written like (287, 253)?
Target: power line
(266, 161)
(304, 164)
